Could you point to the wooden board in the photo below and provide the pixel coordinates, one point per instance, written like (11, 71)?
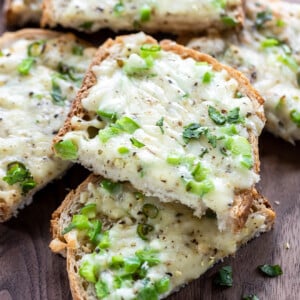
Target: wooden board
(28, 270)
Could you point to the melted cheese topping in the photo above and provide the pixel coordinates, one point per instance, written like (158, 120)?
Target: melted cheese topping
(29, 118)
(180, 98)
(146, 14)
(185, 245)
(275, 70)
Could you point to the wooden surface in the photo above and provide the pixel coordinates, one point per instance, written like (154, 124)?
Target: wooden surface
(28, 270)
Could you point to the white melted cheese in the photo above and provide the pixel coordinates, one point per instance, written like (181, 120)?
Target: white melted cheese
(174, 91)
(189, 15)
(186, 246)
(276, 81)
(29, 119)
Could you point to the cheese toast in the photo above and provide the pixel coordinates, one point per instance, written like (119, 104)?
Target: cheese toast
(21, 12)
(267, 52)
(150, 16)
(175, 123)
(40, 73)
(121, 244)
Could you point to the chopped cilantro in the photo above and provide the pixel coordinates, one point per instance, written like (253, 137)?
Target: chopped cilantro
(263, 17)
(160, 124)
(136, 143)
(216, 116)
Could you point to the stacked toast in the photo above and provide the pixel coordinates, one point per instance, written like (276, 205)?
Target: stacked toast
(170, 134)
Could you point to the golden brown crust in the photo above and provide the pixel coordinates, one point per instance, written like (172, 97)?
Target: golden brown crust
(18, 15)
(167, 45)
(46, 14)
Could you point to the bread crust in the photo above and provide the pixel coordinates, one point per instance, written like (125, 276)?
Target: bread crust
(242, 212)
(16, 15)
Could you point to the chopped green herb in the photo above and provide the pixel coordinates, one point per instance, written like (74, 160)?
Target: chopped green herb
(104, 240)
(147, 293)
(199, 172)
(87, 271)
(66, 149)
(68, 228)
(150, 50)
(89, 210)
(102, 289)
(200, 188)
(229, 21)
(119, 8)
(193, 131)
(95, 229)
(298, 78)
(160, 124)
(36, 49)
(127, 124)
(163, 285)
(81, 222)
(224, 277)
(143, 230)
(280, 23)
(110, 186)
(131, 264)
(233, 116)
(18, 173)
(149, 256)
(289, 61)
(216, 116)
(64, 69)
(207, 77)
(250, 297)
(212, 139)
(25, 66)
(112, 116)
(270, 42)
(117, 261)
(145, 13)
(220, 3)
(109, 132)
(263, 17)
(150, 210)
(56, 92)
(123, 150)
(271, 271)
(295, 117)
(174, 159)
(77, 50)
(136, 143)
(86, 25)
(229, 130)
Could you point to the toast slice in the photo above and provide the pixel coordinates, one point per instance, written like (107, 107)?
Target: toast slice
(267, 52)
(144, 245)
(150, 16)
(175, 123)
(40, 73)
(21, 12)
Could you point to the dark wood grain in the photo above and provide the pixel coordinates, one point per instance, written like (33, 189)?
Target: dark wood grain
(28, 270)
